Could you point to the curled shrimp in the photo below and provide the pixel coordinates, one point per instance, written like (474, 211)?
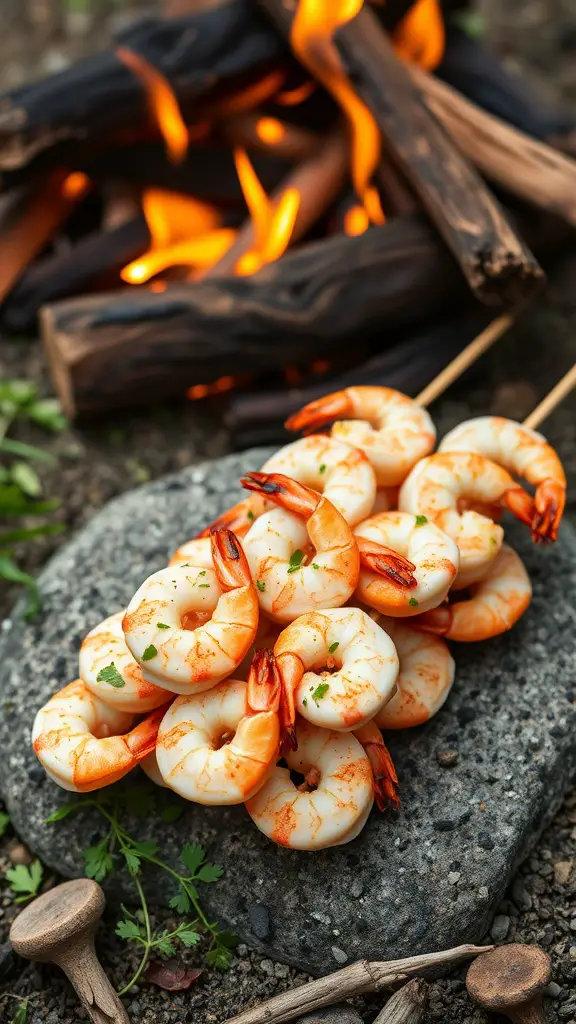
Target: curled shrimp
(338, 669)
(341, 473)
(496, 603)
(84, 744)
(112, 674)
(303, 554)
(425, 678)
(435, 488)
(196, 552)
(407, 564)
(391, 428)
(331, 806)
(189, 628)
(217, 747)
(526, 454)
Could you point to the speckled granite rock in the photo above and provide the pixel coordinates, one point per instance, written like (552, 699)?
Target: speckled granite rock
(426, 878)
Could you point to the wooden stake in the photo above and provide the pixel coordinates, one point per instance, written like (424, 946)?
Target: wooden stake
(464, 359)
(407, 1005)
(354, 980)
(552, 399)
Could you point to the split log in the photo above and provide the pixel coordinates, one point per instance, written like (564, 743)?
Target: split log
(496, 263)
(407, 1006)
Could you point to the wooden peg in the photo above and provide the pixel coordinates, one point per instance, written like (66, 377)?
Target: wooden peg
(510, 980)
(59, 928)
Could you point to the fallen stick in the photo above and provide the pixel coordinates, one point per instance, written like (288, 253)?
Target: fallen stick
(407, 1005)
(497, 264)
(357, 979)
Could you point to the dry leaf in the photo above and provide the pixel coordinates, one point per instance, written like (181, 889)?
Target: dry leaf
(171, 974)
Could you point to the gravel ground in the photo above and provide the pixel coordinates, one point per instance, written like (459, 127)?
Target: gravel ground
(99, 462)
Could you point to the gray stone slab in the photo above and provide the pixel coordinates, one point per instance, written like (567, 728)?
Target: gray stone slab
(425, 878)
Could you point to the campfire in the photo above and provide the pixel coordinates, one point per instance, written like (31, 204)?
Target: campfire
(268, 198)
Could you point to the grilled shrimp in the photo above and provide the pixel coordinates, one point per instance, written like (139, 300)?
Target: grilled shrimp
(112, 674)
(302, 555)
(338, 669)
(392, 429)
(188, 627)
(84, 744)
(341, 473)
(407, 564)
(496, 603)
(197, 552)
(331, 807)
(425, 678)
(524, 453)
(434, 489)
(217, 747)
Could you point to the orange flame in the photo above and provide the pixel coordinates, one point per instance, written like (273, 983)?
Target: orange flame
(313, 28)
(75, 185)
(270, 130)
(291, 97)
(356, 221)
(162, 101)
(420, 37)
(273, 222)
(183, 232)
(252, 95)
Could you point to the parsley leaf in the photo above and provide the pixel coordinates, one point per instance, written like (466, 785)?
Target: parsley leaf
(128, 929)
(162, 625)
(315, 565)
(305, 701)
(250, 515)
(219, 957)
(204, 585)
(193, 856)
(320, 691)
(25, 880)
(149, 653)
(322, 468)
(21, 1015)
(164, 944)
(333, 647)
(420, 520)
(261, 585)
(209, 873)
(189, 937)
(111, 675)
(413, 602)
(171, 813)
(180, 902)
(98, 861)
(132, 861)
(296, 559)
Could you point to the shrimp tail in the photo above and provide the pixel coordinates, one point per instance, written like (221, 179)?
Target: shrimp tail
(283, 491)
(386, 562)
(520, 504)
(383, 770)
(291, 671)
(141, 740)
(239, 519)
(321, 411)
(229, 559)
(548, 507)
(264, 682)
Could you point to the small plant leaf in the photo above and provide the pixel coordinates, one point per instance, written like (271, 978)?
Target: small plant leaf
(132, 861)
(189, 937)
(180, 902)
(110, 674)
(193, 855)
(10, 571)
(26, 479)
(10, 446)
(28, 533)
(227, 939)
(209, 873)
(127, 929)
(98, 861)
(296, 559)
(62, 812)
(48, 414)
(21, 1015)
(172, 813)
(25, 879)
(219, 957)
(164, 944)
(171, 975)
(4, 822)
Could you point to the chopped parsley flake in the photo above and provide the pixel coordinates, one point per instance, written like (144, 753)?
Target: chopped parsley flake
(333, 647)
(322, 468)
(162, 625)
(205, 586)
(111, 675)
(413, 602)
(202, 572)
(296, 559)
(261, 585)
(149, 653)
(320, 691)
(493, 541)
(315, 565)
(305, 701)
(420, 520)
(250, 515)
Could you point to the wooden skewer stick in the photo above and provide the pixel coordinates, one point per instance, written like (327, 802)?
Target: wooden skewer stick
(407, 1005)
(464, 359)
(552, 399)
(354, 980)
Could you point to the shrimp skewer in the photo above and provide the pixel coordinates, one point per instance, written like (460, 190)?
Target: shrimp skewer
(389, 427)
(289, 580)
(112, 674)
(526, 454)
(495, 605)
(332, 805)
(435, 488)
(425, 678)
(338, 669)
(217, 747)
(407, 564)
(189, 628)
(84, 744)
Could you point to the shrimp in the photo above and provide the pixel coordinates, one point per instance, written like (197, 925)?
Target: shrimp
(497, 602)
(524, 453)
(217, 747)
(188, 628)
(111, 673)
(425, 679)
(434, 489)
(331, 807)
(341, 473)
(196, 552)
(302, 555)
(392, 429)
(338, 668)
(407, 564)
(84, 744)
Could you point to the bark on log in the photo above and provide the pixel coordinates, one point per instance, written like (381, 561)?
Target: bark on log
(495, 261)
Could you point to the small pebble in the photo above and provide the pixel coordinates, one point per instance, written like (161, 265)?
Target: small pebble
(356, 889)
(562, 871)
(520, 894)
(500, 927)
(447, 758)
(20, 854)
(552, 990)
(339, 955)
(454, 877)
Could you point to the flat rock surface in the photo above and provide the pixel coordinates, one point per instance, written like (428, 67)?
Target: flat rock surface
(427, 877)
